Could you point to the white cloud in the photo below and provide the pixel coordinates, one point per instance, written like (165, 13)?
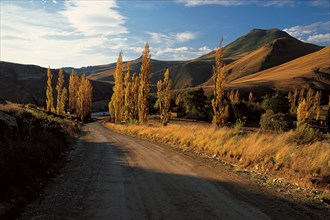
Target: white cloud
(178, 53)
(204, 49)
(98, 18)
(74, 36)
(172, 38)
(277, 3)
(320, 3)
(81, 33)
(319, 38)
(313, 33)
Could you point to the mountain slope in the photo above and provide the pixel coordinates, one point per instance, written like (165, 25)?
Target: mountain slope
(312, 70)
(27, 84)
(277, 52)
(249, 42)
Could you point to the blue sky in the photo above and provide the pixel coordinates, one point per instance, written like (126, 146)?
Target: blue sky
(81, 33)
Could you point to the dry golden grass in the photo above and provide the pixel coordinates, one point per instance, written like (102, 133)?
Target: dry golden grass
(272, 154)
(288, 74)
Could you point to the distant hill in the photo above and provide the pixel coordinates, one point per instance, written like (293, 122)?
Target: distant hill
(27, 84)
(312, 70)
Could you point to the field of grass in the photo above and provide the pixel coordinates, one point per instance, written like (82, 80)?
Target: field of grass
(276, 155)
(31, 153)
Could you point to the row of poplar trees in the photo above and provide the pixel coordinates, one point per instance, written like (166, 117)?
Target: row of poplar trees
(79, 101)
(129, 101)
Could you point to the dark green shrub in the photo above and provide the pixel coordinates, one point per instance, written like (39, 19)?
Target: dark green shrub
(276, 122)
(277, 103)
(194, 103)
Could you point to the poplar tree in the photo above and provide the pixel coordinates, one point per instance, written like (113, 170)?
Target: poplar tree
(317, 105)
(250, 98)
(145, 73)
(219, 104)
(64, 99)
(73, 89)
(116, 102)
(295, 98)
(84, 98)
(232, 96)
(59, 88)
(236, 96)
(309, 98)
(128, 95)
(49, 92)
(302, 113)
(135, 96)
(291, 101)
(164, 98)
(301, 95)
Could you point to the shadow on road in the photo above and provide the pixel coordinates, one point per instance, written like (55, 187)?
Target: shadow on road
(107, 180)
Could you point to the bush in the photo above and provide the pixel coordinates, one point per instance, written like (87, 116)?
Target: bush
(34, 153)
(304, 134)
(276, 122)
(277, 103)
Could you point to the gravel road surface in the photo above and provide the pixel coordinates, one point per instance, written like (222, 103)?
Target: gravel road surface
(115, 176)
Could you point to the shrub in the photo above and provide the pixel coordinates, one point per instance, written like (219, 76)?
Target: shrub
(304, 134)
(277, 103)
(277, 122)
(34, 153)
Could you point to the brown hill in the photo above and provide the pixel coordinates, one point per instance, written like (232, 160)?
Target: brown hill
(312, 70)
(272, 54)
(27, 84)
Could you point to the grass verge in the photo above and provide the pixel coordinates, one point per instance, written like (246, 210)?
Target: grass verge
(275, 155)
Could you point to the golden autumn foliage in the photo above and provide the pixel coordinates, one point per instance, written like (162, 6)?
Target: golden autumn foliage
(145, 73)
(219, 104)
(302, 113)
(128, 95)
(251, 98)
(234, 96)
(73, 91)
(164, 98)
(49, 92)
(84, 98)
(116, 104)
(135, 96)
(64, 98)
(60, 102)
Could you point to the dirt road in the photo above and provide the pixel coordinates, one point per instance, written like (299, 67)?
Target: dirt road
(114, 176)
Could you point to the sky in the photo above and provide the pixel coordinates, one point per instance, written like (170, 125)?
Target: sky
(77, 33)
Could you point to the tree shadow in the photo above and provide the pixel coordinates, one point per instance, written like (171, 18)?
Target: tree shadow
(104, 180)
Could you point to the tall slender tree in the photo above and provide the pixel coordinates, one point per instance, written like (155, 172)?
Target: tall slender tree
(49, 92)
(116, 103)
(219, 104)
(302, 113)
(251, 98)
(59, 89)
(84, 98)
(135, 96)
(128, 95)
(164, 98)
(145, 73)
(64, 99)
(73, 90)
